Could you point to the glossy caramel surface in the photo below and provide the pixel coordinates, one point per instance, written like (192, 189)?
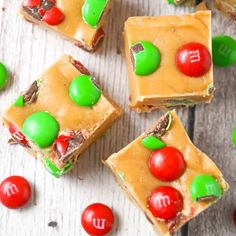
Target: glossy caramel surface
(73, 26)
(53, 97)
(130, 166)
(168, 33)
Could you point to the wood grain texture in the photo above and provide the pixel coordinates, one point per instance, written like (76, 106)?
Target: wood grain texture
(213, 127)
(27, 50)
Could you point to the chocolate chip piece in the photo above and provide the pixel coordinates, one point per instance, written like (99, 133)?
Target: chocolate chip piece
(12, 141)
(30, 95)
(73, 142)
(47, 4)
(172, 224)
(79, 66)
(161, 126)
(138, 47)
(35, 11)
(210, 90)
(198, 1)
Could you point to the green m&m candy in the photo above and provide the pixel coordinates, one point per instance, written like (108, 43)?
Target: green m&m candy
(224, 50)
(92, 11)
(42, 128)
(83, 91)
(19, 102)
(153, 143)
(54, 170)
(3, 76)
(205, 187)
(234, 136)
(177, 2)
(145, 57)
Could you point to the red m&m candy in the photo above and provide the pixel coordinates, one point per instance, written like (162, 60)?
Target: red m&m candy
(53, 16)
(167, 163)
(62, 143)
(31, 3)
(193, 59)
(97, 219)
(165, 203)
(15, 192)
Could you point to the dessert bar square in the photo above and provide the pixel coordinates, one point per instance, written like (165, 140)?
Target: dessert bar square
(170, 179)
(81, 21)
(60, 115)
(169, 60)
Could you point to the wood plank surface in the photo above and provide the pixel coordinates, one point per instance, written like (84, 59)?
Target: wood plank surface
(213, 127)
(27, 50)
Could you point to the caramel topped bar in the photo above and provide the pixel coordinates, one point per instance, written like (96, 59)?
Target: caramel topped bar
(81, 21)
(202, 6)
(170, 179)
(60, 115)
(169, 60)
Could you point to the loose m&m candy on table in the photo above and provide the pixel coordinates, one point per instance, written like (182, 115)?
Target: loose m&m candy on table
(15, 192)
(4, 76)
(234, 136)
(97, 219)
(224, 50)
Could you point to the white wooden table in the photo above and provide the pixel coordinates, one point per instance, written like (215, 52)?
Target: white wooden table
(27, 50)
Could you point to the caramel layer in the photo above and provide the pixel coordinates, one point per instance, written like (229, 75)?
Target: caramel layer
(130, 166)
(54, 97)
(168, 33)
(73, 27)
